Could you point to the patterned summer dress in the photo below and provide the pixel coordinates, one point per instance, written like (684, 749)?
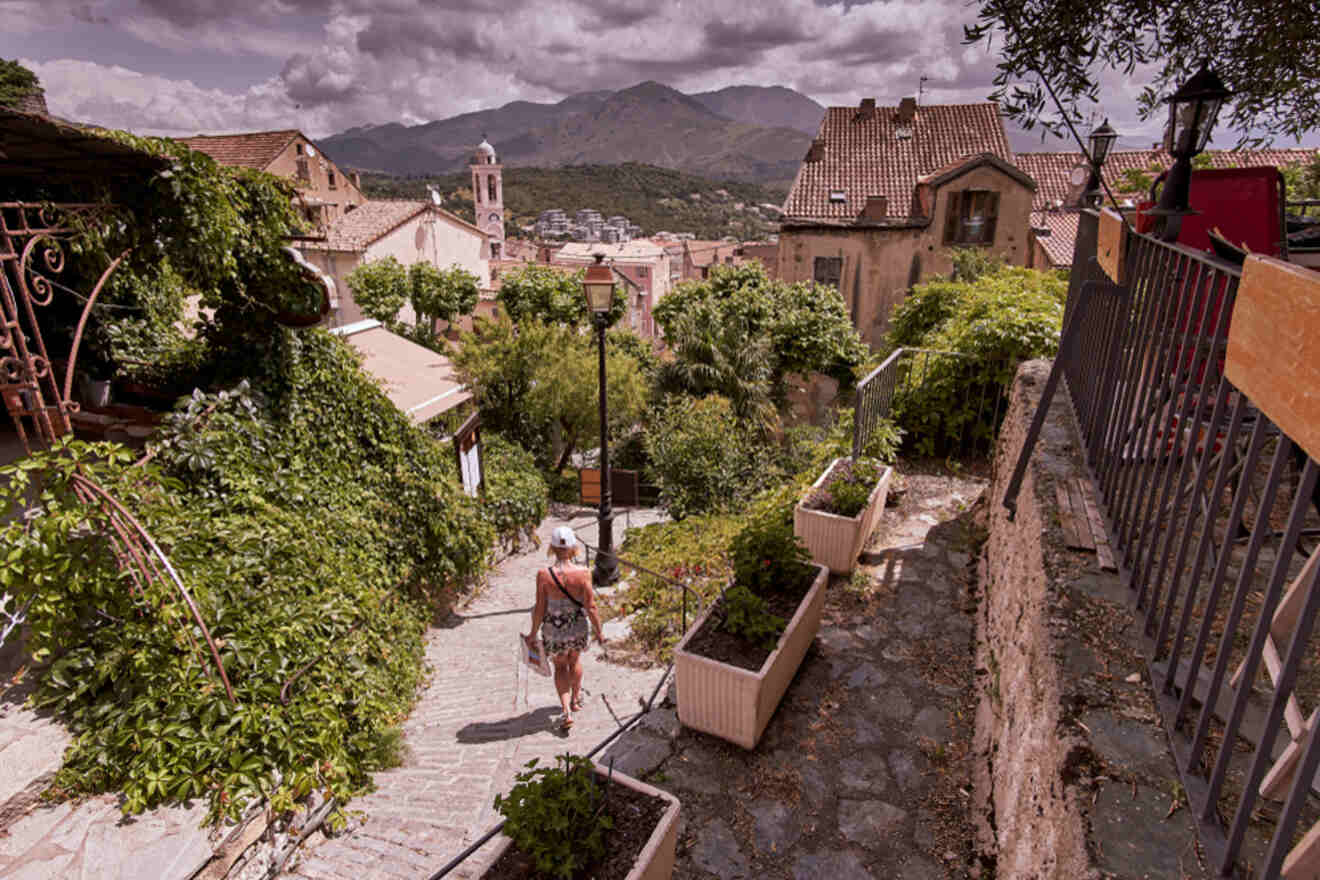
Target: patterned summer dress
(565, 626)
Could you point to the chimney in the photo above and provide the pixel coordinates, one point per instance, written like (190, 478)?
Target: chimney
(866, 110)
(877, 208)
(907, 111)
(817, 150)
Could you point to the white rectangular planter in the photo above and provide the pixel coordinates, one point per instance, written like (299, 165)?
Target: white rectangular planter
(835, 541)
(736, 704)
(656, 860)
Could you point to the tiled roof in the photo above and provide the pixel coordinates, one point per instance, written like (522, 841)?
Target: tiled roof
(255, 149)
(704, 253)
(366, 223)
(1058, 245)
(864, 156)
(638, 249)
(1051, 169)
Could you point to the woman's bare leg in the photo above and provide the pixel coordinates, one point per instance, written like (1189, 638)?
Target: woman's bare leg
(564, 680)
(575, 669)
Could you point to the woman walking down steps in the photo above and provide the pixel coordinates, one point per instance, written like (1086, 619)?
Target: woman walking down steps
(464, 745)
(564, 603)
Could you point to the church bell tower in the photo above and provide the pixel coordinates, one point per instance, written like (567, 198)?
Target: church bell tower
(488, 195)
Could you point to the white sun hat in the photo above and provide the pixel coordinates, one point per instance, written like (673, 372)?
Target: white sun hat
(563, 537)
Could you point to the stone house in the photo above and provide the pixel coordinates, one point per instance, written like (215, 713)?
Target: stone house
(410, 231)
(327, 193)
(884, 193)
(644, 264)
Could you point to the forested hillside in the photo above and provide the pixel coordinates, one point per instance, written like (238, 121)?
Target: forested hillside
(655, 198)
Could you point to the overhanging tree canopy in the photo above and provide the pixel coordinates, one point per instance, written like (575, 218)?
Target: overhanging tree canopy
(1263, 50)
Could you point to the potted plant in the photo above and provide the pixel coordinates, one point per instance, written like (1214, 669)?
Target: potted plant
(840, 510)
(579, 819)
(732, 667)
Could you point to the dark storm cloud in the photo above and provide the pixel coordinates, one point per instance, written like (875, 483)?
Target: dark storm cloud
(609, 16)
(869, 45)
(191, 13)
(754, 36)
(315, 80)
(400, 35)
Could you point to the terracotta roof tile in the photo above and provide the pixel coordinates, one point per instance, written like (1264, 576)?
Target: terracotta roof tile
(1058, 245)
(367, 223)
(256, 149)
(1051, 169)
(865, 156)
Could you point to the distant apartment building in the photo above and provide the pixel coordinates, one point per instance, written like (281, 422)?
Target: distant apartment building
(586, 225)
(325, 193)
(645, 265)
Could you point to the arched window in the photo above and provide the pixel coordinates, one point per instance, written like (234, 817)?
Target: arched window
(490, 182)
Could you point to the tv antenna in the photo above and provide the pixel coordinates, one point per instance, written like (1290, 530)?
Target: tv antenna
(921, 87)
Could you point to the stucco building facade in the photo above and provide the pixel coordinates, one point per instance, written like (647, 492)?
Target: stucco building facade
(326, 193)
(410, 231)
(885, 193)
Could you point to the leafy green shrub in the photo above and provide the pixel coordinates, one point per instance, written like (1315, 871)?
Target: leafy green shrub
(517, 497)
(695, 551)
(746, 616)
(556, 815)
(847, 489)
(993, 323)
(297, 515)
(16, 82)
(703, 458)
(767, 557)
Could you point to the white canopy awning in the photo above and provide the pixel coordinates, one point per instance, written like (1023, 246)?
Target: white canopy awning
(417, 380)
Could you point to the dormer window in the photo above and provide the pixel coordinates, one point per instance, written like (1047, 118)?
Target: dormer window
(838, 196)
(970, 217)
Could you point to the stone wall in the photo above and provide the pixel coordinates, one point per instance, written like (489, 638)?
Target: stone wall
(1032, 821)
(1073, 775)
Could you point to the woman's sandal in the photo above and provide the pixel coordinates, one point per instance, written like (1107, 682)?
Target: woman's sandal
(565, 722)
(576, 705)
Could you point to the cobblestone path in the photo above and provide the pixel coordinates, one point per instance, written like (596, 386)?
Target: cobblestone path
(466, 738)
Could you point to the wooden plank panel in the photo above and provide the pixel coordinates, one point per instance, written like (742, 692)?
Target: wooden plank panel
(1104, 551)
(1303, 861)
(1079, 513)
(1284, 623)
(1067, 520)
(1280, 775)
(1111, 245)
(1272, 355)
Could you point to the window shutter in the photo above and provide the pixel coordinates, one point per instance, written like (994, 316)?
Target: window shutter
(952, 216)
(991, 215)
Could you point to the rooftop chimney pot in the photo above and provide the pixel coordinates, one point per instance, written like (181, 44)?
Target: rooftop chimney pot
(817, 150)
(907, 110)
(877, 208)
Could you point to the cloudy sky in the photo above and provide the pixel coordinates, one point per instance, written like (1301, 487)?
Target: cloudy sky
(181, 67)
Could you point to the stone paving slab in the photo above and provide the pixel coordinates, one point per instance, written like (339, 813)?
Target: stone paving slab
(467, 737)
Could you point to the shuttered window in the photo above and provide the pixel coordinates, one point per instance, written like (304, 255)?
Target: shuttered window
(971, 216)
(827, 270)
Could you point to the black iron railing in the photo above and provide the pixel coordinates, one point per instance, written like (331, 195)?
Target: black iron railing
(906, 372)
(1213, 514)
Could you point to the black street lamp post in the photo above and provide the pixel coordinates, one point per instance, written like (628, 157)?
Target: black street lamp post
(598, 287)
(1193, 110)
(1102, 140)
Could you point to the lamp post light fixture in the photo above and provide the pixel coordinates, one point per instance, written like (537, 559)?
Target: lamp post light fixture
(1101, 142)
(598, 288)
(1193, 110)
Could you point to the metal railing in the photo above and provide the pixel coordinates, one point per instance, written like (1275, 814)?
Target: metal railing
(1201, 488)
(903, 376)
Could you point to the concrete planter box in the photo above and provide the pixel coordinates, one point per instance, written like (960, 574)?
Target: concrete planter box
(656, 860)
(736, 704)
(835, 541)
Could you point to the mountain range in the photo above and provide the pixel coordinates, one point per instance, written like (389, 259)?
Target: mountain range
(753, 133)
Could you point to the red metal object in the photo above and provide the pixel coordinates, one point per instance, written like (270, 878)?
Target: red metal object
(1245, 204)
